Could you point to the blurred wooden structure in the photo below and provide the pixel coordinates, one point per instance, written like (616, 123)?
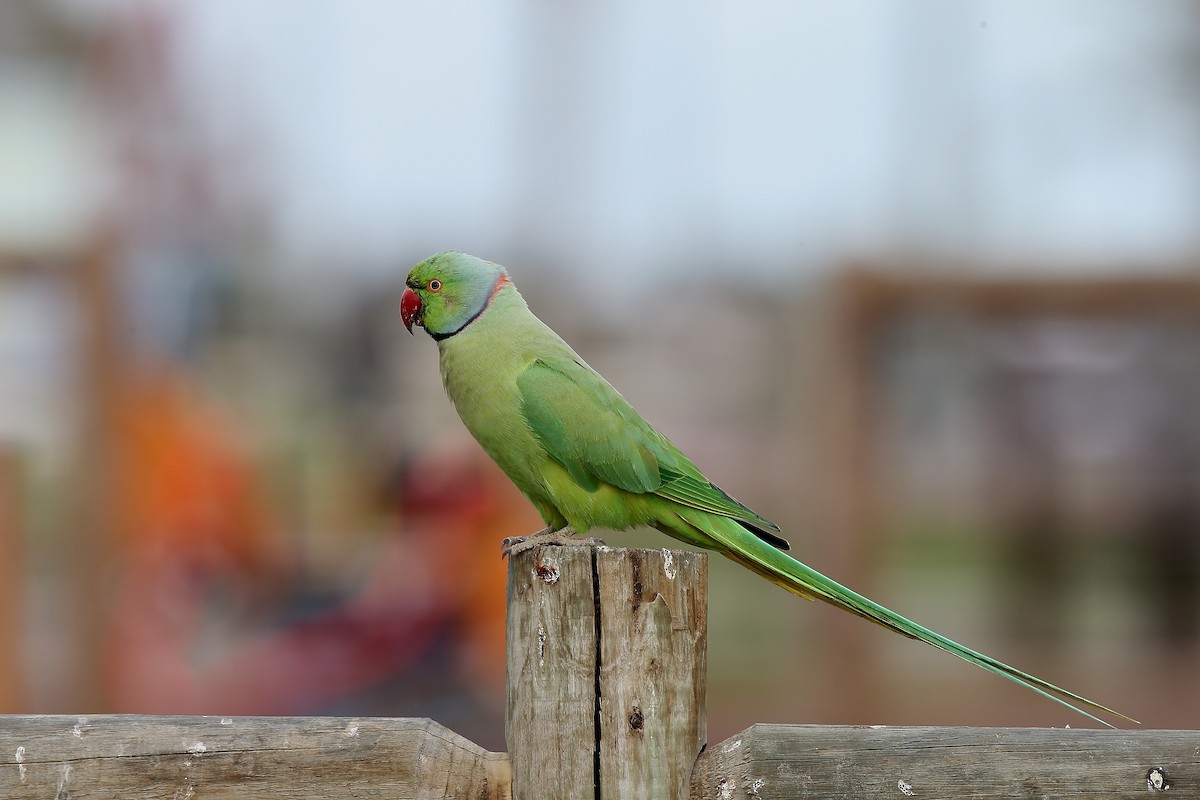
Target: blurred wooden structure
(606, 699)
(60, 238)
(12, 569)
(862, 306)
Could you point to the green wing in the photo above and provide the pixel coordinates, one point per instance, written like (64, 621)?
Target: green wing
(587, 427)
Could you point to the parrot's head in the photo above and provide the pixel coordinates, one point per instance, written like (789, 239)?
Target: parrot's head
(446, 292)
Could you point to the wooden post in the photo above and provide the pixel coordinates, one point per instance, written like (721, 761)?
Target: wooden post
(606, 672)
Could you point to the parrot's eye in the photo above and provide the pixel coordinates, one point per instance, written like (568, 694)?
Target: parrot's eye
(435, 285)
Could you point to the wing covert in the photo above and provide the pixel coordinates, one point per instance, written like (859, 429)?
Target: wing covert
(592, 431)
(587, 426)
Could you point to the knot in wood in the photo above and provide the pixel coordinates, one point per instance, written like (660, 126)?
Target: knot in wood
(547, 571)
(1156, 780)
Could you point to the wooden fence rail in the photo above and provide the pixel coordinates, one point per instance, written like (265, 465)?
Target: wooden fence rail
(837, 762)
(606, 674)
(131, 756)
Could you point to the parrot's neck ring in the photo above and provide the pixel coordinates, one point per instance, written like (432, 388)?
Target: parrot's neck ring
(501, 282)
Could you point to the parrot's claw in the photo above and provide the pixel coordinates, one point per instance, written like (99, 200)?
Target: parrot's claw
(563, 537)
(509, 542)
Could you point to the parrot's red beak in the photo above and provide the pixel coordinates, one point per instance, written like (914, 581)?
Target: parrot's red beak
(410, 309)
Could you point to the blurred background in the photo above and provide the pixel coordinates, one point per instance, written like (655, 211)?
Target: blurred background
(919, 281)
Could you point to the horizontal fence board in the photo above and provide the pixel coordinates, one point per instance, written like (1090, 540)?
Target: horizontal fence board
(301, 758)
(769, 762)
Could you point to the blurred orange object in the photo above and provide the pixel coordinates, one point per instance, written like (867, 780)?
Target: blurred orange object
(189, 512)
(185, 485)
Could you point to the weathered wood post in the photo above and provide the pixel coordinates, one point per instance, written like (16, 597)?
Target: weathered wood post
(606, 672)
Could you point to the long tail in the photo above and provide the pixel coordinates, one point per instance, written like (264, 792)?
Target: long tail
(776, 566)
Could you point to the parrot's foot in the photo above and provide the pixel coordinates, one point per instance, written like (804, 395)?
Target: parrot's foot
(563, 537)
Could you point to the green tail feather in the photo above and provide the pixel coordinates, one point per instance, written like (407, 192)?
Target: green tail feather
(801, 579)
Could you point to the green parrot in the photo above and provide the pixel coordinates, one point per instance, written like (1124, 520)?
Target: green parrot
(582, 455)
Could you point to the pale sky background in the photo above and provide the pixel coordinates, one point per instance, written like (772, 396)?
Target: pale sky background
(630, 138)
(780, 135)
